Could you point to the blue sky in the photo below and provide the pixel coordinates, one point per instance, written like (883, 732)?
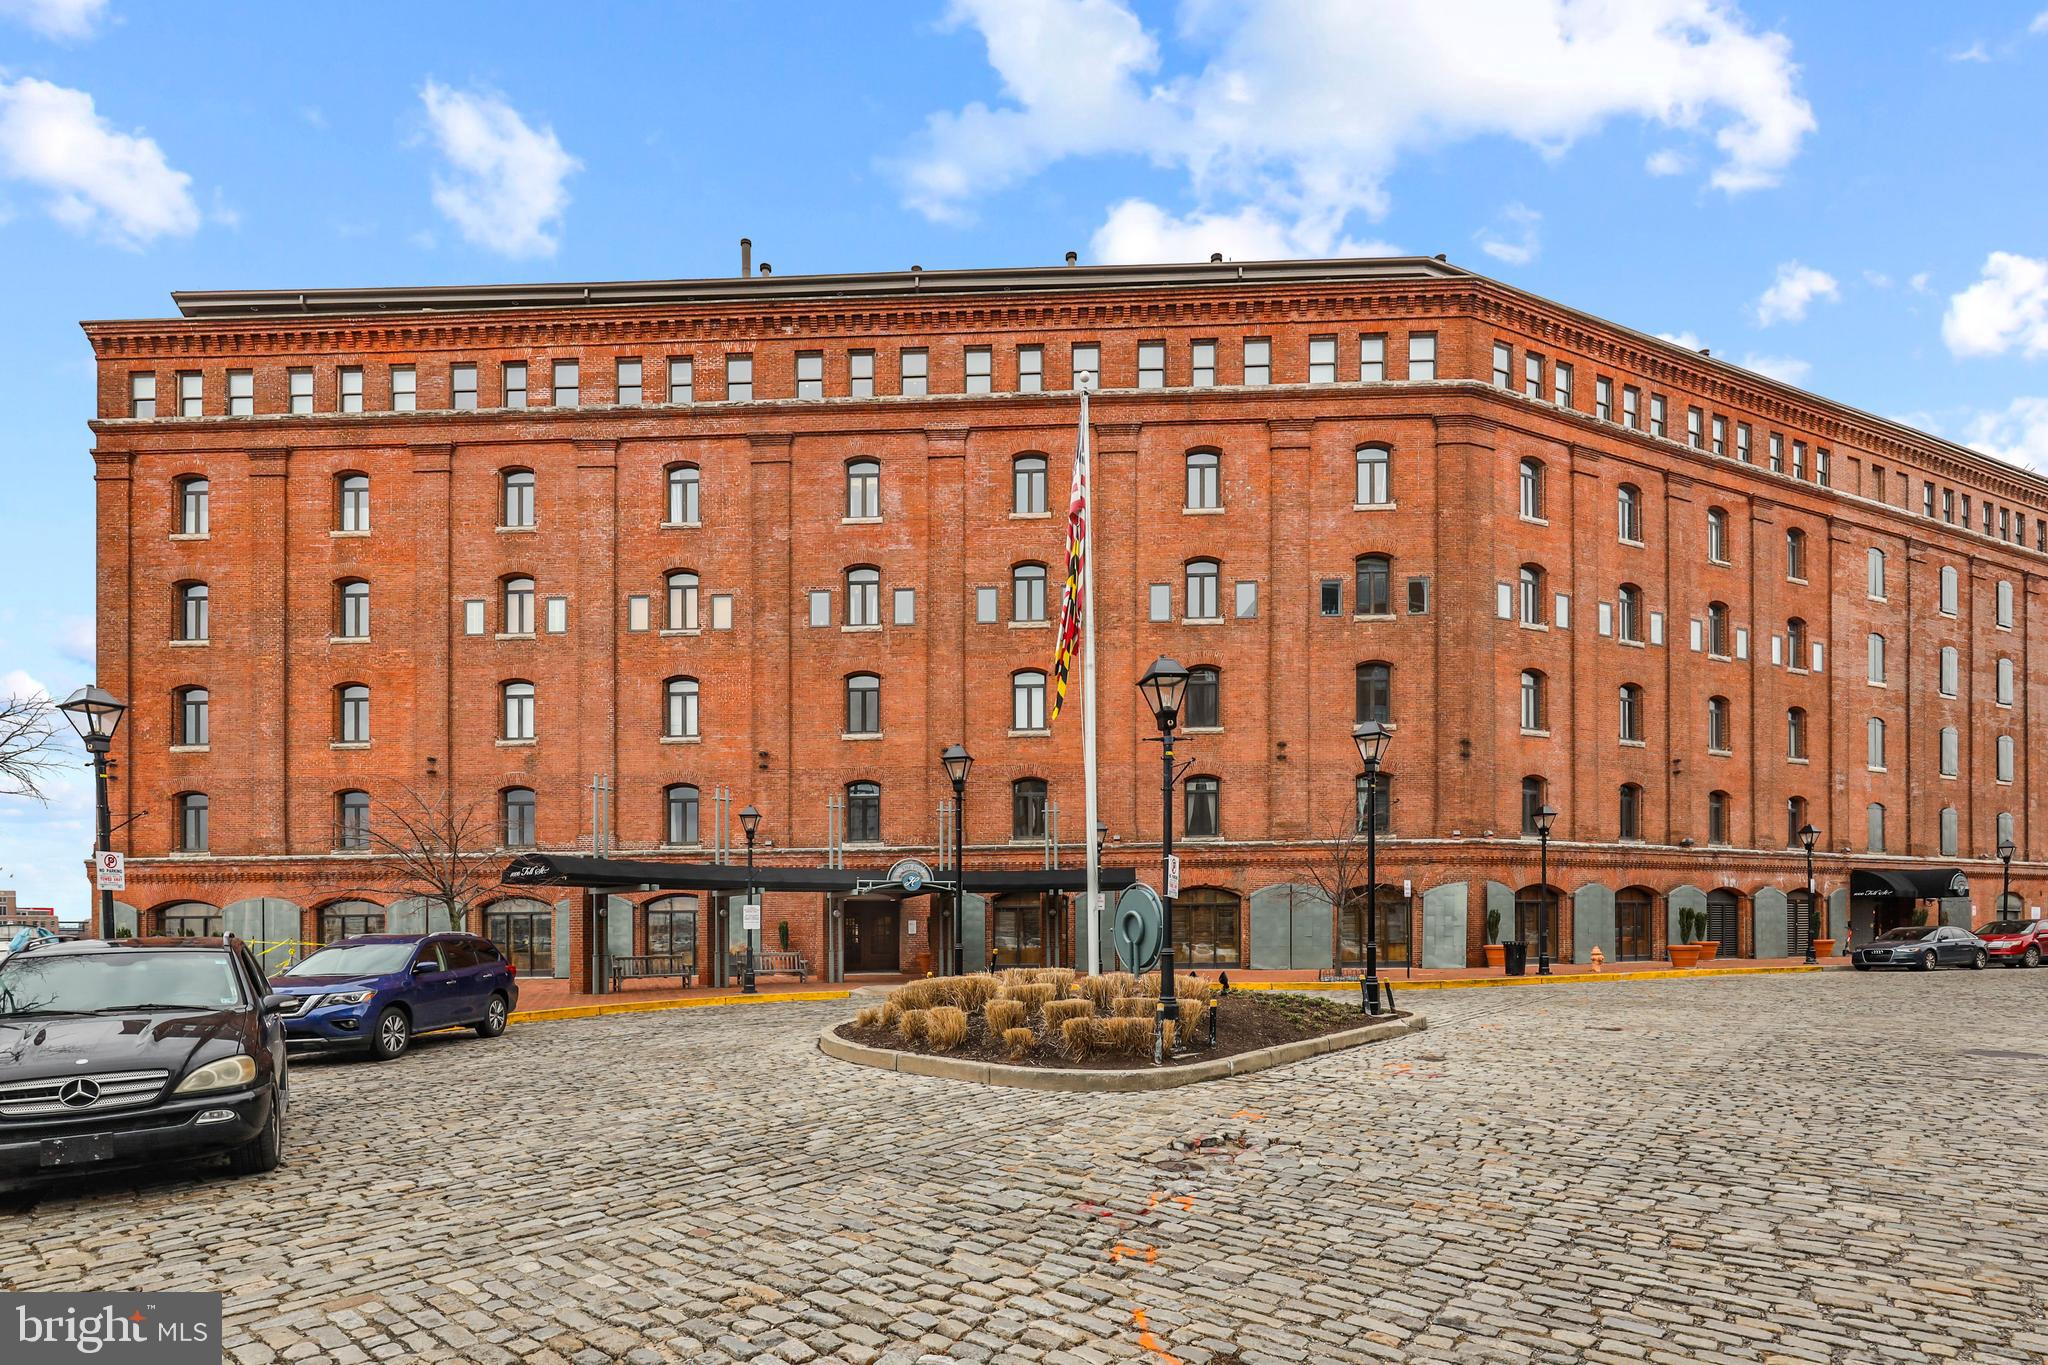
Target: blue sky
(1845, 195)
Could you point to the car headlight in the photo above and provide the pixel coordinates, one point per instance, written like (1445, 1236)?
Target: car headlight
(344, 998)
(224, 1074)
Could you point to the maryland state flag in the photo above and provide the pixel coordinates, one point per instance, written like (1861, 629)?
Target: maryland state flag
(1069, 636)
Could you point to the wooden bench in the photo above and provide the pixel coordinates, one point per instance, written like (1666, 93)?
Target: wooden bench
(771, 964)
(635, 966)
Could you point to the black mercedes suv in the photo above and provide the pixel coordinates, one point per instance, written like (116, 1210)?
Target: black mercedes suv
(138, 1050)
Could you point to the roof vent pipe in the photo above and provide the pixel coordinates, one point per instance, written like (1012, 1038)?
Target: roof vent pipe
(767, 269)
(1073, 257)
(1215, 257)
(746, 257)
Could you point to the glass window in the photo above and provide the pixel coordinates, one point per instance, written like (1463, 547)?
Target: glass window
(1631, 811)
(914, 372)
(980, 369)
(1628, 613)
(1422, 355)
(1532, 489)
(351, 833)
(684, 489)
(1027, 808)
(1717, 535)
(1795, 733)
(682, 600)
(192, 394)
(1030, 369)
(1203, 814)
(1532, 375)
(2005, 758)
(1535, 715)
(568, 383)
(863, 813)
(352, 722)
(1258, 360)
(1630, 506)
(682, 379)
(195, 499)
(1719, 737)
(349, 380)
(352, 502)
(1205, 927)
(514, 384)
(1795, 644)
(1202, 604)
(1873, 741)
(739, 378)
(352, 613)
(519, 698)
(810, 374)
(1027, 485)
(518, 806)
(1503, 365)
(1876, 657)
(680, 804)
(1202, 358)
(860, 374)
(242, 393)
(863, 596)
(1087, 364)
(2005, 677)
(629, 375)
(1877, 574)
(1603, 398)
(142, 395)
(1375, 476)
(1657, 410)
(517, 616)
(1322, 360)
(1631, 406)
(1535, 794)
(863, 490)
(1795, 554)
(1694, 428)
(1776, 446)
(1372, 357)
(1027, 592)
(680, 718)
(193, 707)
(1531, 594)
(1151, 364)
(863, 704)
(1203, 708)
(461, 388)
(1950, 679)
(1718, 817)
(1204, 479)
(192, 611)
(1561, 384)
(1717, 630)
(1375, 693)
(1378, 792)
(1631, 713)
(821, 607)
(518, 485)
(1373, 594)
(1874, 820)
(1247, 599)
(1027, 697)
(1718, 442)
(405, 388)
(905, 609)
(192, 818)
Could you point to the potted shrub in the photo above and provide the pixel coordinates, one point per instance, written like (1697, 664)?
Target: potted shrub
(1823, 947)
(1496, 955)
(1685, 953)
(782, 934)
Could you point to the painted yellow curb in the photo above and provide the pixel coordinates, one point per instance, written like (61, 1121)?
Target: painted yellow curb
(1574, 979)
(650, 1006)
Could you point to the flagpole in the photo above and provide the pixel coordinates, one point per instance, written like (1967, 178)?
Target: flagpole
(1088, 698)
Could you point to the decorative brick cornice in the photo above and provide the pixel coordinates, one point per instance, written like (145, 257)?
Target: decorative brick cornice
(1465, 429)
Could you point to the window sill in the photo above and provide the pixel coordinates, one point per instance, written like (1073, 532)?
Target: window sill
(1634, 744)
(1633, 544)
(347, 535)
(1795, 578)
(517, 530)
(1532, 625)
(1720, 658)
(1030, 625)
(1375, 616)
(854, 629)
(188, 644)
(350, 744)
(1201, 620)
(1632, 644)
(860, 521)
(1201, 729)
(680, 526)
(1535, 521)
(1802, 762)
(869, 734)
(515, 743)
(191, 535)
(191, 748)
(1535, 734)
(1795, 668)
(682, 739)
(515, 635)
(1876, 683)
(348, 639)
(1720, 753)
(682, 630)
(1030, 734)
(1718, 563)
(1031, 516)
(1375, 506)
(1201, 511)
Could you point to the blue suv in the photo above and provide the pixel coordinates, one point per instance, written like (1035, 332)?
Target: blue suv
(375, 992)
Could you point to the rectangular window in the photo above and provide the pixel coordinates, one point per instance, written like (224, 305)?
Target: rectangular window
(1322, 360)
(1657, 427)
(1503, 365)
(721, 611)
(638, 612)
(810, 374)
(1247, 600)
(192, 395)
(461, 387)
(1258, 360)
(1742, 442)
(986, 604)
(1776, 447)
(568, 383)
(1418, 596)
(630, 385)
(1202, 356)
(913, 370)
(1151, 364)
(1372, 357)
(1031, 369)
(1422, 355)
(739, 379)
(1532, 375)
(906, 606)
(860, 374)
(682, 379)
(1561, 384)
(1332, 603)
(1926, 499)
(241, 393)
(1603, 398)
(557, 615)
(351, 387)
(515, 384)
(1631, 407)
(1823, 473)
(1720, 438)
(1695, 428)
(1087, 364)
(1948, 505)
(473, 617)
(1799, 459)
(405, 388)
(821, 606)
(1159, 602)
(2004, 604)
(142, 395)
(980, 371)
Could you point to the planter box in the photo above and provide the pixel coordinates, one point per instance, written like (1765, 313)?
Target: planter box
(1496, 957)
(1685, 955)
(1823, 947)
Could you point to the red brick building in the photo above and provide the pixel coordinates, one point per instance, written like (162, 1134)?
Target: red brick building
(788, 537)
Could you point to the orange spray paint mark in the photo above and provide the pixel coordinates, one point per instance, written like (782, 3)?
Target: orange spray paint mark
(1121, 1250)
(1150, 1342)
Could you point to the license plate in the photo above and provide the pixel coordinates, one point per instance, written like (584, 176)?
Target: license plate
(78, 1151)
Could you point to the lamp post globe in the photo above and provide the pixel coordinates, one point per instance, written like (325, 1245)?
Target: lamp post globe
(1372, 737)
(95, 714)
(958, 763)
(750, 821)
(1808, 837)
(1163, 688)
(1546, 816)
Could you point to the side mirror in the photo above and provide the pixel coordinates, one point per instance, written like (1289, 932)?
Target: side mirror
(276, 1004)
(422, 968)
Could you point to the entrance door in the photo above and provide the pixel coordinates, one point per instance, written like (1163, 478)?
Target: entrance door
(1632, 926)
(525, 937)
(1724, 921)
(1017, 931)
(1799, 927)
(870, 936)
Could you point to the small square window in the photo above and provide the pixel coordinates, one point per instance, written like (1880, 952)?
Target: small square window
(473, 617)
(1332, 599)
(721, 611)
(1247, 599)
(821, 606)
(906, 606)
(557, 615)
(985, 605)
(1160, 604)
(636, 613)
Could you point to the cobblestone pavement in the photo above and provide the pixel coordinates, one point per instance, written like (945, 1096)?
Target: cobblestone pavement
(1791, 1168)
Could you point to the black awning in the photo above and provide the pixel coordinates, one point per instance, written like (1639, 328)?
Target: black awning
(620, 874)
(1907, 883)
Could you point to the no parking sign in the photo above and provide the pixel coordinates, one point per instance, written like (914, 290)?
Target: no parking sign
(113, 870)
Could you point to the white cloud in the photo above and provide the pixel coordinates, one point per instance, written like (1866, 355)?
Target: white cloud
(1137, 231)
(2007, 307)
(2040, 24)
(1519, 249)
(2019, 433)
(505, 183)
(1793, 292)
(1303, 111)
(1918, 284)
(1877, 279)
(65, 20)
(76, 638)
(1973, 53)
(1669, 161)
(1689, 340)
(1783, 368)
(117, 184)
(17, 682)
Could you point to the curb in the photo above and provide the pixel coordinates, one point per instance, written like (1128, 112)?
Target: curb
(1107, 1082)
(653, 1006)
(1484, 982)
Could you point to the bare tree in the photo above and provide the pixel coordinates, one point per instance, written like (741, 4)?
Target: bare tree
(31, 747)
(1335, 865)
(430, 848)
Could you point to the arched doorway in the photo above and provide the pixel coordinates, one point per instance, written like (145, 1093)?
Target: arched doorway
(347, 919)
(1798, 922)
(671, 931)
(1395, 918)
(1531, 901)
(189, 919)
(1635, 909)
(1205, 927)
(1724, 921)
(524, 930)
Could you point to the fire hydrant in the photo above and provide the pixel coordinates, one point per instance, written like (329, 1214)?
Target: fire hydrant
(1598, 957)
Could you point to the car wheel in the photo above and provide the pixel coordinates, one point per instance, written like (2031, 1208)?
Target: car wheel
(1927, 961)
(493, 1022)
(1977, 962)
(265, 1151)
(2033, 957)
(392, 1035)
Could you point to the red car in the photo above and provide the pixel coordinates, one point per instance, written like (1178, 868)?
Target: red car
(2016, 942)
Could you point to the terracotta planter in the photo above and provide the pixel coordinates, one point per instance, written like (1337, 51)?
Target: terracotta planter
(1496, 957)
(1685, 955)
(1708, 949)
(1823, 947)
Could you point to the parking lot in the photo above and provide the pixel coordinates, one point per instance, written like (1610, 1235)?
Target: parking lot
(1809, 1167)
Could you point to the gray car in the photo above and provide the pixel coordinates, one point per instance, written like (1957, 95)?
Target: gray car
(1922, 947)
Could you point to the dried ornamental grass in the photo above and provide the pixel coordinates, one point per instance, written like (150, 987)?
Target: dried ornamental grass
(870, 1017)
(1077, 1038)
(1194, 1020)
(1032, 996)
(1004, 1015)
(1123, 1036)
(891, 1012)
(918, 995)
(945, 1027)
(1061, 979)
(1057, 1012)
(1018, 1041)
(911, 1025)
(1017, 976)
(1133, 1007)
(970, 993)
(1099, 991)
(1197, 988)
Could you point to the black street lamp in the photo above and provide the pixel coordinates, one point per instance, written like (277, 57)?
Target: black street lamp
(958, 763)
(1545, 818)
(1808, 837)
(95, 714)
(1371, 737)
(750, 820)
(2005, 852)
(1163, 687)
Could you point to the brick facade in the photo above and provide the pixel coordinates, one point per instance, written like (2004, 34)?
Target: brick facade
(773, 529)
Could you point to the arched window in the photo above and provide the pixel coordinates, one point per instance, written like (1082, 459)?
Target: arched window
(1375, 585)
(1535, 708)
(1205, 927)
(352, 502)
(1202, 600)
(1949, 841)
(672, 930)
(519, 700)
(1375, 476)
(352, 820)
(1795, 554)
(1717, 535)
(863, 596)
(1532, 594)
(1877, 573)
(517, 616)
(1795, 819)
(679, 803)
(1205, 488)
(684, 490)
(1720, 734)
(1873, 816)
(1718, 817)
(1531, 484)
(1027, 700)
(517, 487)
(191, 832)
(1379, 791)
(352, 714)
(2005, 758)
(1628, 614)
(1795, 733)
(1951, 751)
(1718, 632)
(1633, 907)
(1631, 713)
(1629, 507)
(1375, 689)
(680, 721)
(1876, 657)
(863, 704)
(1630, 824)
(1535, 795)
(1204, 816)
(1027, 592)
(2004, 832)
(1875, 742)
(1027, 484)
(352, 609)
(1724, 921)
(1950, 592)
(1534, 903)
(192, 611)
(863, 813)
(516, 804)
(1949, 675)
(349, 919)
(189, 919)
(191, 705)
(682, 600)
(2005, 676)
(195, 499)
(863, 490)
(1203, 709)
(1027, 808)
(1795, 642)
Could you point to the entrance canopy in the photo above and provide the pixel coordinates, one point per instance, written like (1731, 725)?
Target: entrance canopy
(1907, 883)
(620, 874)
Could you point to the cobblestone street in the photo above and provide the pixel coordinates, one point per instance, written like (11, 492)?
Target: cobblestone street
(1770, 1168)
